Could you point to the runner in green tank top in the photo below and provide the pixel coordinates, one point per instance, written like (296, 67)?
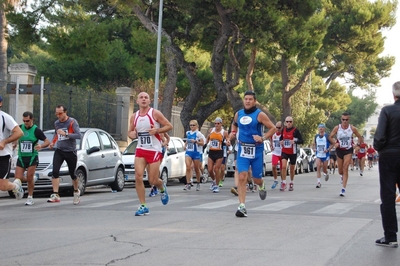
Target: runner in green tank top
(28, 158)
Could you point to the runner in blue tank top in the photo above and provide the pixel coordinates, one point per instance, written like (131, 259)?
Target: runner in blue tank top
(249, 122)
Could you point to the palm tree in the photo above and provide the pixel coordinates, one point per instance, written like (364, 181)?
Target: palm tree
(4, 42)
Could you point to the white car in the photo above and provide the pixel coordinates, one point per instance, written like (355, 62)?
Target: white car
(172, 166)
(99, 163)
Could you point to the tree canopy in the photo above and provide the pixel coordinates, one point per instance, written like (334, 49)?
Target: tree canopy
(292, 53)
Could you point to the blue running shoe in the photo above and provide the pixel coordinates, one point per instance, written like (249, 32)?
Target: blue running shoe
(142, 211)
(153, 191)
(274, 184)
(164, 196)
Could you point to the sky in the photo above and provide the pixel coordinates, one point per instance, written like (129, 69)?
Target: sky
(384, 92)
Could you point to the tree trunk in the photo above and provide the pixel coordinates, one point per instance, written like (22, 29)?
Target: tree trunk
(3, 51)
(170, 85)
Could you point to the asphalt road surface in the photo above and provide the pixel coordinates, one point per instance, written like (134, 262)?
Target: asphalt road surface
(308, 226)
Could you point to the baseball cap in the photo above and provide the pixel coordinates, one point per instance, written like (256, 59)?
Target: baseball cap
(218, 120)
(321, 125)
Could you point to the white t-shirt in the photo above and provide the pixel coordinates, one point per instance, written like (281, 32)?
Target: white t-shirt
(8, 123)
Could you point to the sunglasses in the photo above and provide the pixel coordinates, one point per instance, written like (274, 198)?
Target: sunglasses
(278, 127)
(217, 123)
(26, 121)
(343, 119)
(289, 121)
(192, 125)
(59, 113)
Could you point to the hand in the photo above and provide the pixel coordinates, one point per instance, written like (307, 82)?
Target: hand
(51, 146)
(153, 130)
(38, 147)
(132, 134)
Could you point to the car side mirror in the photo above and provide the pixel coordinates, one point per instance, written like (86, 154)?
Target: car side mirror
(93, 149)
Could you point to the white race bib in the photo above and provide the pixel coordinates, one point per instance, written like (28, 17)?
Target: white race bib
(248, 151)
(145, 140)
(26, 146)
(286, 143)
(190, 146)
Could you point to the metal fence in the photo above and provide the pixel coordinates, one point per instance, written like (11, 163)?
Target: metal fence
(90, 108)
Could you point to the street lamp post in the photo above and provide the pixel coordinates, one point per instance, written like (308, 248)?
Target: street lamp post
(157, 79)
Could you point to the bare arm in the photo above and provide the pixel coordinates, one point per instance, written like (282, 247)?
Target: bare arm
(264, 119)
(160, 118)
(360, 138)
(16, 133)
(333, 133)
(132, 134)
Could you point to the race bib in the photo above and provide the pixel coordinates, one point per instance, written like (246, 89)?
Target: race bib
(248, 151)
(286, 143)
(362, 150)
(26, 146)
(190, 146)
(276, 144)
(321, 151)
(215, 143)
(145, 140)
(345, 142)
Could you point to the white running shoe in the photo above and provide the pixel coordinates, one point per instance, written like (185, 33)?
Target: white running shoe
(18, 190)
(77, 197)
(29, 201)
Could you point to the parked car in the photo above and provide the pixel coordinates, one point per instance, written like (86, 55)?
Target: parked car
(172, 166)
(302, 162)
(99, 163)
(311, 159)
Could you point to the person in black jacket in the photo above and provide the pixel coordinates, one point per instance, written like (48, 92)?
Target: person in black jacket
(387, 143)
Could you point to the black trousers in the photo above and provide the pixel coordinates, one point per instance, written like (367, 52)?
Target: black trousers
(389, 176)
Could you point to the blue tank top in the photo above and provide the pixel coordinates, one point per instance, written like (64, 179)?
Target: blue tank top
(249, 126)
(191, 147)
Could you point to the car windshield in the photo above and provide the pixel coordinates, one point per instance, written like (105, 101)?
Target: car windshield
(131, 149)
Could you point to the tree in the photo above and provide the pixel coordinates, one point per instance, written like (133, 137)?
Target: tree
(4, 8)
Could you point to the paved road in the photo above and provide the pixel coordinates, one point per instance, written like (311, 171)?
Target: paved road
(308, 226)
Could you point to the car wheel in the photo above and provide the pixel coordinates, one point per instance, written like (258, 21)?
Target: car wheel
(264, 170)
(119, 181)
(164, 176)
(205, 176)
(80, 174)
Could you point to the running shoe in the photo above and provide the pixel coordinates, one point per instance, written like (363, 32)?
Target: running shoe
(343, 192)
(318, 185)
(203, 179)
(29, 201)
(262, 192)
(164, 196)
(361, 174)
(274, 184)
(221, 183)
(77, 197)
(187, 187)
(326, 177)
(251, 186)
(216, 189)
(142, 210)
(54, 198)
(241, 211)
(384, 243)
(291, 186)
(234, 191)
(18, 190)
(212, 185)
(283, 186)
(153, 191)
(198, 187)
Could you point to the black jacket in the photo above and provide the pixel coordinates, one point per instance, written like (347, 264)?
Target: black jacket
(387, 135)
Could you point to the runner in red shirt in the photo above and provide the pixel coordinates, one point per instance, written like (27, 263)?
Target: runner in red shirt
(370, 154)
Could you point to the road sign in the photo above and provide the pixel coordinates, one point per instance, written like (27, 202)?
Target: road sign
(27, 88)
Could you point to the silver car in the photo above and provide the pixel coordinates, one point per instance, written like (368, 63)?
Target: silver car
(99, 163)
